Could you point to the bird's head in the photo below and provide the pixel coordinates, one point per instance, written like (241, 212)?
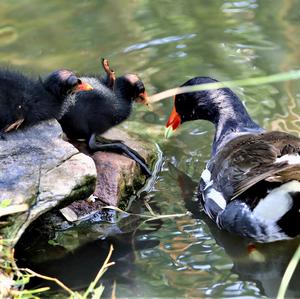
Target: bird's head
(195, 105)
(132, 88)
(63, 82)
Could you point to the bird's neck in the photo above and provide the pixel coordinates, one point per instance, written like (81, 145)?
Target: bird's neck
(122, 106)
(123, 96)
(231, 118)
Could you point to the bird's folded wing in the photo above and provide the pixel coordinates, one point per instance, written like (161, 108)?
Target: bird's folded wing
(255, 158)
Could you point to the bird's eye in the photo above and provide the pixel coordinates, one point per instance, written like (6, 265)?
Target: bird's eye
(140, 88)
(73, 81)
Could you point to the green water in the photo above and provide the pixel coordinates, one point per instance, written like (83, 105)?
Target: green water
(166, 43)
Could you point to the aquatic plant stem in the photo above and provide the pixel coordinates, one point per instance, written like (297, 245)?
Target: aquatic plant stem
(58, 282)
(288, 274)
(148, 217)
(28, 293)
(291, 75)
(102, 270)
(91, 290)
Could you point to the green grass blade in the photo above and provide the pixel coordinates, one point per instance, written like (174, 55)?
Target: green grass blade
(288, 274)
(291, 75)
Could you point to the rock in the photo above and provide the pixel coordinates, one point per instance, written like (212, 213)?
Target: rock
(85, 219)
(118, 177)
(39, 170)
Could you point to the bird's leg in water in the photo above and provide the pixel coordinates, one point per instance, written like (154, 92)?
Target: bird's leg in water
(111, 77)
(117, 146)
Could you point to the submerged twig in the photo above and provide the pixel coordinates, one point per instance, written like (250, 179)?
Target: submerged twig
(149, 208)
(148, 217)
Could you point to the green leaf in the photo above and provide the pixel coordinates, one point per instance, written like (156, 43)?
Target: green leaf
(98, 292)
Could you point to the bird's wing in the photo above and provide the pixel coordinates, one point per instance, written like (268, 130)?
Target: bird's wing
(250, 159)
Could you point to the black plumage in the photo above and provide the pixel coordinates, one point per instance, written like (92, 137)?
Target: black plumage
(25, 101)
(251, 184)
(108, 104)
(100, 109)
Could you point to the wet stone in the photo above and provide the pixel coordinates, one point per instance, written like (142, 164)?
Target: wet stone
(118, 177)
(46, 178)
(39, 171)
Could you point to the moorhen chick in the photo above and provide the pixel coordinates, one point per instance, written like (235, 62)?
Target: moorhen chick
(251, 184)
(108, 104)
(25, 102)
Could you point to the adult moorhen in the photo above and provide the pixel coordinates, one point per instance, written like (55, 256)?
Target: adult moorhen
(251, 183)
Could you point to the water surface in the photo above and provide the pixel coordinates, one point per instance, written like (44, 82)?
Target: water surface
(166, 43)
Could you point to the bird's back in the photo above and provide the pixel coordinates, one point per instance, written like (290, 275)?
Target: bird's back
(252, 186)
(94, 111)
(13, 84)
(250, 158)
(13, 89)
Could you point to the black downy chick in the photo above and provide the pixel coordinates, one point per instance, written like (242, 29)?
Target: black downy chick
(105, 106)
(25, 102)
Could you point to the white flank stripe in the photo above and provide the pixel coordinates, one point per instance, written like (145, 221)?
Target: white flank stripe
(277, 202)
(291, 159)
(206, 175)
(217, 197)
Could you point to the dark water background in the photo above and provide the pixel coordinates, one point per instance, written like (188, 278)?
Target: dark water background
(166, 43)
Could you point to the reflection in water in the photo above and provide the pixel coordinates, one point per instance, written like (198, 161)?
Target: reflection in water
(290, 122)
(76, 267)
(166, 43)
(263, 264)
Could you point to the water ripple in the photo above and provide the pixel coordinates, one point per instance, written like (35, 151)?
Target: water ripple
(158, 41)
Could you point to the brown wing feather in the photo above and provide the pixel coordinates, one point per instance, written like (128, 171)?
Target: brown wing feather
(249, 159)
(287, 174)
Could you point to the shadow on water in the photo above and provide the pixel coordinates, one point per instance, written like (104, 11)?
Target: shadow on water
(261, 264)
(77, 267)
